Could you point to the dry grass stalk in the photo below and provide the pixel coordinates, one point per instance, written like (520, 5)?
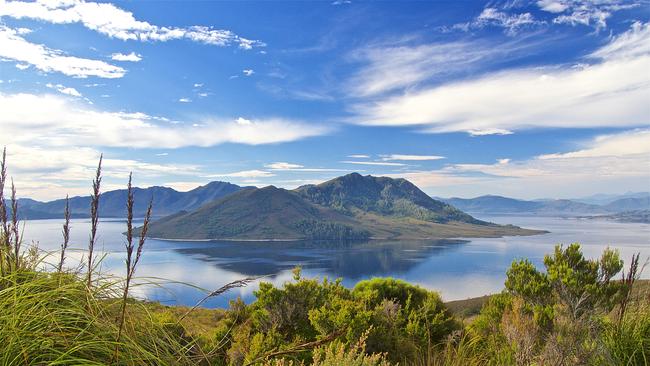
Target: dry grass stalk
(14, 226)
(4, 236)
(66, 232)
(235, 284)
(131, 261)
(633, 274)
(94, 218)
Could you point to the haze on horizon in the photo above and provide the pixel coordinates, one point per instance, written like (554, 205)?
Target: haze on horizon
(526, 99)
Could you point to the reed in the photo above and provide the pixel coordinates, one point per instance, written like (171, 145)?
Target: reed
(65, 232)
(94, 219)
(131, 261)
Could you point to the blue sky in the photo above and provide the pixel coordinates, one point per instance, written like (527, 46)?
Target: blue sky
(527, 99)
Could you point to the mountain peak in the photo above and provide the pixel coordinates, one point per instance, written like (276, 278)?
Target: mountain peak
(354, 193)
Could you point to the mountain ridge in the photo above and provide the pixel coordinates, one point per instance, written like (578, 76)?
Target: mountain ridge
(112, 204)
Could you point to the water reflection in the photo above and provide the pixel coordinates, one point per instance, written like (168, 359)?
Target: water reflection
(351, 260)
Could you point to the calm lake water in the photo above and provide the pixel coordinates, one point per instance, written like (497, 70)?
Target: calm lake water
(185, 271)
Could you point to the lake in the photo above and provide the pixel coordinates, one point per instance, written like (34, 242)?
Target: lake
(183, 272)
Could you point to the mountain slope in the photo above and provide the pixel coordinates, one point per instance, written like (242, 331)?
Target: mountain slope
(166, 201)
(384, 196)
(348, 207)
(266, 213)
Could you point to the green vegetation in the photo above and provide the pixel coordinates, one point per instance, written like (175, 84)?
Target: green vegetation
(317, 230)
(350, 207)
(573, 313)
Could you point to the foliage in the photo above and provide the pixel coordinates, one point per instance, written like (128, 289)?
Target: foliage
(319, 230)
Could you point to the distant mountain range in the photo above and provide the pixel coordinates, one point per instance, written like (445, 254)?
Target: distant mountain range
(166, 201)
(348, 207)
(563, 207)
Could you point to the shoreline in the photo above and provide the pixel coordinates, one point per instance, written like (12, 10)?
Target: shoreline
(269, 240)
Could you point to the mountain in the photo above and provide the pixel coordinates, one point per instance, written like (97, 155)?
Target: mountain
(354, 193)
(253, 213)
(604, 199)
(493, 204)
(348, 207)
(505, 205)
(629, 204)
(166, 201)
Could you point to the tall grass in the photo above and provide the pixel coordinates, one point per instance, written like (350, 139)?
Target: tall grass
(65, 317)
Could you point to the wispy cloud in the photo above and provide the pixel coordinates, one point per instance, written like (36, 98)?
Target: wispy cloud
(284, 166)
(378, 163)
(410, 157)
(115, 22)
(386, 68)
(592, 13)
(248, 72)
(611, 92)
(490, 16)
(64, 90)
(185, 100)
(359, 156)
(244, 174)
(131, 57)
(14, 47)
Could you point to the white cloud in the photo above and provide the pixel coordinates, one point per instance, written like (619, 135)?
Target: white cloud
(283, 166)
(511, 23)
(410, 157)
(379, 163)
(359, 156)
(184, 100)
(62, 122)
(390, 67)
(132, 57)
(609, 163)
(244, 174)
(14, 47)
(552, 6)
(198, 85)
(64, 90)
(248, 72)
(114, 22)
(631, 44)
(636, 142)
(612, 92)
(585, 12)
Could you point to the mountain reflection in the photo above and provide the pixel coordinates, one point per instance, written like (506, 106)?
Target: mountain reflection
(338, 259)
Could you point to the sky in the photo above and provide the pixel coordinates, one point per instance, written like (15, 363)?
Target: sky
(527, 99)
